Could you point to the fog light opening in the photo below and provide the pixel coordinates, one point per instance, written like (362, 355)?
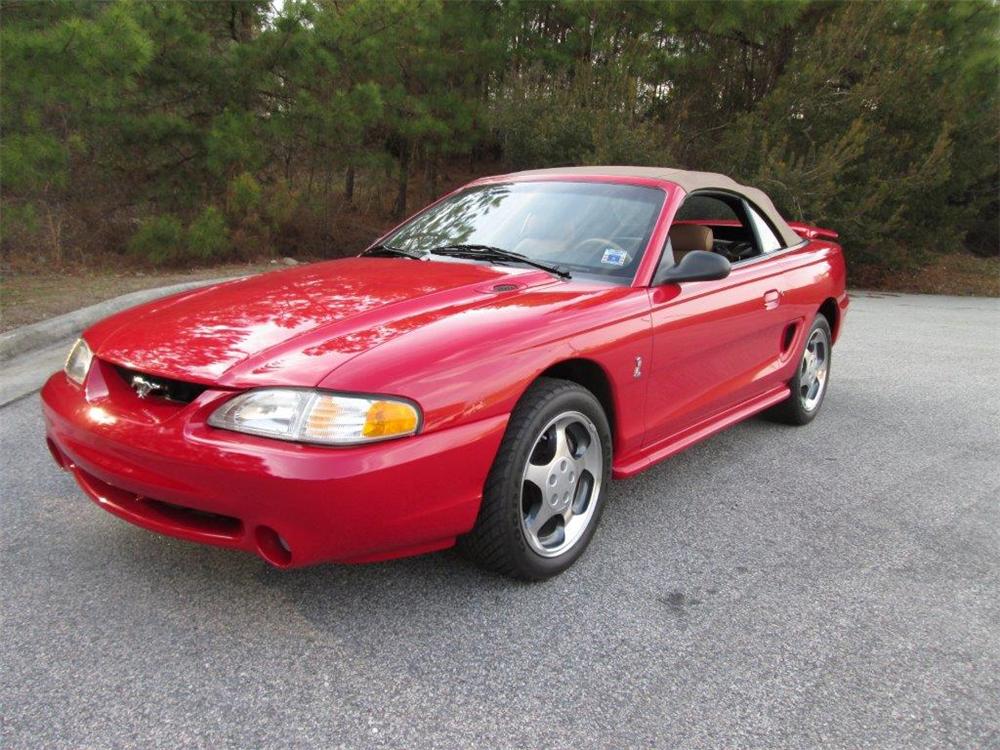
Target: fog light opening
(273, 547)
(57, 455)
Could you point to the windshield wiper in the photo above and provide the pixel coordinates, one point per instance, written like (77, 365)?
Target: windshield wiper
(377, 250)
(488, 252)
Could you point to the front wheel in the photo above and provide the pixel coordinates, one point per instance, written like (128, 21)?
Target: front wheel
(544, 495)
(811, 378)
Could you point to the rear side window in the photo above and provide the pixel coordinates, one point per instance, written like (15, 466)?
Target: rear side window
(705, 207)
(768, 240)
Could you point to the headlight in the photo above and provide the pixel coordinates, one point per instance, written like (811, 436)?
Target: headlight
(317, 416)
(78, 362)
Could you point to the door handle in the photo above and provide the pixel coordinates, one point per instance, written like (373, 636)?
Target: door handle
(772, 299)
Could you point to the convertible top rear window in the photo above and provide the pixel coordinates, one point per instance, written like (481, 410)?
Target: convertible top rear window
(587, 227)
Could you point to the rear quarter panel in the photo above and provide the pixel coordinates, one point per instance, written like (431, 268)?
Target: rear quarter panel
(807, 277)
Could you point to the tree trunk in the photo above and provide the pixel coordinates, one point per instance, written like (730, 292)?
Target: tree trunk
(404, 177)
(54, 222)
(349, 185)
(432, 177)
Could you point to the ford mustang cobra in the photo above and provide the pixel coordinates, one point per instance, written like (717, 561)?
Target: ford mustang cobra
(478, 375)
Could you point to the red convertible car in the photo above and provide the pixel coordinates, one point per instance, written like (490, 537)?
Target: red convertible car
(478, 375)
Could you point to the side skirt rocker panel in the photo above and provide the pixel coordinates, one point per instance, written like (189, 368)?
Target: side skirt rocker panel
(628, 466)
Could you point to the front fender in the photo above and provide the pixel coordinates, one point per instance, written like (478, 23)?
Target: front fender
(478, 365)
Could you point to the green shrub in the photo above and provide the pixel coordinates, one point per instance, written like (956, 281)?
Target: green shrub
(244, 195)
(208, 236)
(280, 205)
(160, 240)
(19, 218)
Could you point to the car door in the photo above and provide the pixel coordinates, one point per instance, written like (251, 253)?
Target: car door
(717, 344)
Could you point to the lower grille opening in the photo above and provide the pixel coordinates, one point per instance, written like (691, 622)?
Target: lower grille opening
(200, 520)
(158, 514)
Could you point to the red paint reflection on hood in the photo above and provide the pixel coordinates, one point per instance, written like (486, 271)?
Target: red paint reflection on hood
(263, 320)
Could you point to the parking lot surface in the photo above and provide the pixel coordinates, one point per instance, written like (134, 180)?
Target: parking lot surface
(836, 585)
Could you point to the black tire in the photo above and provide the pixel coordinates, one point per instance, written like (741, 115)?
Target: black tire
(795, 410)
(497, 541)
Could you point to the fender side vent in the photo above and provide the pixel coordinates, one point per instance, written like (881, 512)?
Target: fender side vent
(789, 337)
(504, 287)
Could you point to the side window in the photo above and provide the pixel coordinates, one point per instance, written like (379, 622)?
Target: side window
(724, 216)
(706, 208)
(768, 241)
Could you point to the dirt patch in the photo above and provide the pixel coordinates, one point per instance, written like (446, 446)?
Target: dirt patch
(28, 297)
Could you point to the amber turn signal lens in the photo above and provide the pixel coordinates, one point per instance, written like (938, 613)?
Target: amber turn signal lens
(387, 418)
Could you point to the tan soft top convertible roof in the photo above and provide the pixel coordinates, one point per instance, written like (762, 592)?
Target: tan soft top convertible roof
(687, 180)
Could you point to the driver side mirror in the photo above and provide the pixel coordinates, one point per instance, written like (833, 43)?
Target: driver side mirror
(697, 265)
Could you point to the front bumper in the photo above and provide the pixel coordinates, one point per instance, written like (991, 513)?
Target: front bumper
(160, 466)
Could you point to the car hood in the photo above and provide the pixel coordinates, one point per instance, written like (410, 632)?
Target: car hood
(295, 326)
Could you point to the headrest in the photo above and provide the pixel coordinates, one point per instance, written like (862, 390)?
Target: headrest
(687, 237)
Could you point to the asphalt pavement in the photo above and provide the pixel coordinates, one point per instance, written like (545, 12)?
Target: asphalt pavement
(833, 585)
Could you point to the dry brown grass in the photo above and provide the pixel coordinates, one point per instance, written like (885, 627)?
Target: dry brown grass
(27, 297)
(962, 274)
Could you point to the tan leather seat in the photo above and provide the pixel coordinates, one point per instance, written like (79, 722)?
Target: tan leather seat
(687, 237)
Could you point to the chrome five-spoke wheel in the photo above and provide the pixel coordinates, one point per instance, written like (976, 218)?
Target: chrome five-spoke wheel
(561, 483)
(545, 492)
(808, 386)
(814, 369)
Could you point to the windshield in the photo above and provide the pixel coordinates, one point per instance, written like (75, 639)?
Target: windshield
(588, 227)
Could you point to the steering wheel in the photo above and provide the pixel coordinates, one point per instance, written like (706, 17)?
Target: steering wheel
(602, 244)
(738, 251)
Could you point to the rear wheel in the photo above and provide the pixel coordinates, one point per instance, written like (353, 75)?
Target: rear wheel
(811, 378)
(544, 494)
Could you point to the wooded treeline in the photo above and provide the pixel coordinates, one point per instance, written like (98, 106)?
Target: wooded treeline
(186, 132)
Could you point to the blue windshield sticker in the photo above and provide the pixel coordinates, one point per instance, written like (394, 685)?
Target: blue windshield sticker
(613, 257)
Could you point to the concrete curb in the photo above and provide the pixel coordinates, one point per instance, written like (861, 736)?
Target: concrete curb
(47, 332)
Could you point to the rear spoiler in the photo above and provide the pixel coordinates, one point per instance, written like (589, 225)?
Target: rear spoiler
(812, 233)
